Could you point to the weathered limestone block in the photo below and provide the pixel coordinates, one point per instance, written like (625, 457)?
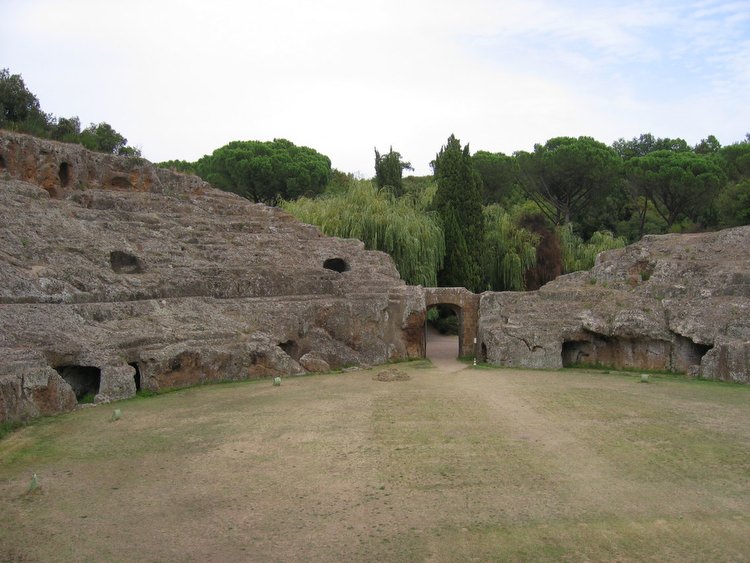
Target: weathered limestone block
(673, 302)
(47, 392)
(117, 382)
(728, 361)
(312, 362)
(118, 274)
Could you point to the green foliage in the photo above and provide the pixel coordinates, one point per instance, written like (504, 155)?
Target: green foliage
(733, 204)
(398, 226)
(101, 137)
(579, 255)
(67, 130)
(178, 166)
(509, 250)
(678, 184)
(87, 399)
(499, 175)
(458, 200)
(566, 175)
(18, 106)
(20, 111)
(446, 324)
(735, 160)
(709, 145)
(339, 182)
(389, 169)
(647, 143)
(266, 171)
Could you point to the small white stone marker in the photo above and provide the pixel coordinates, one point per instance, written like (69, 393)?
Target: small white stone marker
(644, 378)
(116, 414)
(276, 381)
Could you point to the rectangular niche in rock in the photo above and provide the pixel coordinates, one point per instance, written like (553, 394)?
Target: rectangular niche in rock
(84, 380)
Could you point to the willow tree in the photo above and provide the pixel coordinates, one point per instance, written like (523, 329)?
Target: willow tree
(398, 226)
(509, 250)
(581, 255)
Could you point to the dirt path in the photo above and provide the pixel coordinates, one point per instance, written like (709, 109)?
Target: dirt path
(442, 351)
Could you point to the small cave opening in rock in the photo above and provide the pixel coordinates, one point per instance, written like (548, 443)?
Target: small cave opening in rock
(124, 262)
(84, 380)
(64, 174)
(687, 354)
(136, 375)
(576, 353)
(291, 348)
(2, 163)
(337, 265)
(483, 353)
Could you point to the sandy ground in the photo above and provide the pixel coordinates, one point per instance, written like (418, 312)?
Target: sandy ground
(442, 350)
(455, 464)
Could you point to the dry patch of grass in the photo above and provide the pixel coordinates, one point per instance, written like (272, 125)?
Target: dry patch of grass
(479, 464)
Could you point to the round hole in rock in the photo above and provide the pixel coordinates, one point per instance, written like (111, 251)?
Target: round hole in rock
(124, 262)
(336, 264)
(64, 174)
(84, 380)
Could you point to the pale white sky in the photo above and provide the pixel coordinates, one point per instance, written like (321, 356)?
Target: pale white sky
(180, 78)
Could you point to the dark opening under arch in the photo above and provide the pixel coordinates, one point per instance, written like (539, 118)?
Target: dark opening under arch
(136, 375)
(84, 380)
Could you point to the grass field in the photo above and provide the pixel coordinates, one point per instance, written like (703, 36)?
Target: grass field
(473, 465)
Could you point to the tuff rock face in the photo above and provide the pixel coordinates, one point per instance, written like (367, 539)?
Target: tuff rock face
(116, 275)
(669, 302)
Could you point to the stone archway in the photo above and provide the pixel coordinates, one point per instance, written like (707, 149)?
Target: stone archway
(466, 306)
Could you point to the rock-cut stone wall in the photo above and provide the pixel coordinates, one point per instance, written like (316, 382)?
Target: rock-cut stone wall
(669, 302)
(116, 276)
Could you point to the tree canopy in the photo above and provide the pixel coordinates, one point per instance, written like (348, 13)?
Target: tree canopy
(389, 169)
(499, 174)
(676, 183)
(266, 171)
(565, 175)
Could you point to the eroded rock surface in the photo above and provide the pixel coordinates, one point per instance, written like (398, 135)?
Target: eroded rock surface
(117, 276)
(670, 302)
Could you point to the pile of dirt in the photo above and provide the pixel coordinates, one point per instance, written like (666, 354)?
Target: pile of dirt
(391, 375)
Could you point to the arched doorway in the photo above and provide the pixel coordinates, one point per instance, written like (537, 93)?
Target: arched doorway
(465, 305)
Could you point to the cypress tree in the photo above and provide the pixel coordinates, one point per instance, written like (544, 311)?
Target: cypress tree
(389, 170)
(459, 202)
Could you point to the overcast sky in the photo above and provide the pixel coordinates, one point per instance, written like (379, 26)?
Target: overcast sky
(180, 78)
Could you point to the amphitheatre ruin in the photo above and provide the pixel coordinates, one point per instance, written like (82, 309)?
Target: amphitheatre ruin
(118, 276)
